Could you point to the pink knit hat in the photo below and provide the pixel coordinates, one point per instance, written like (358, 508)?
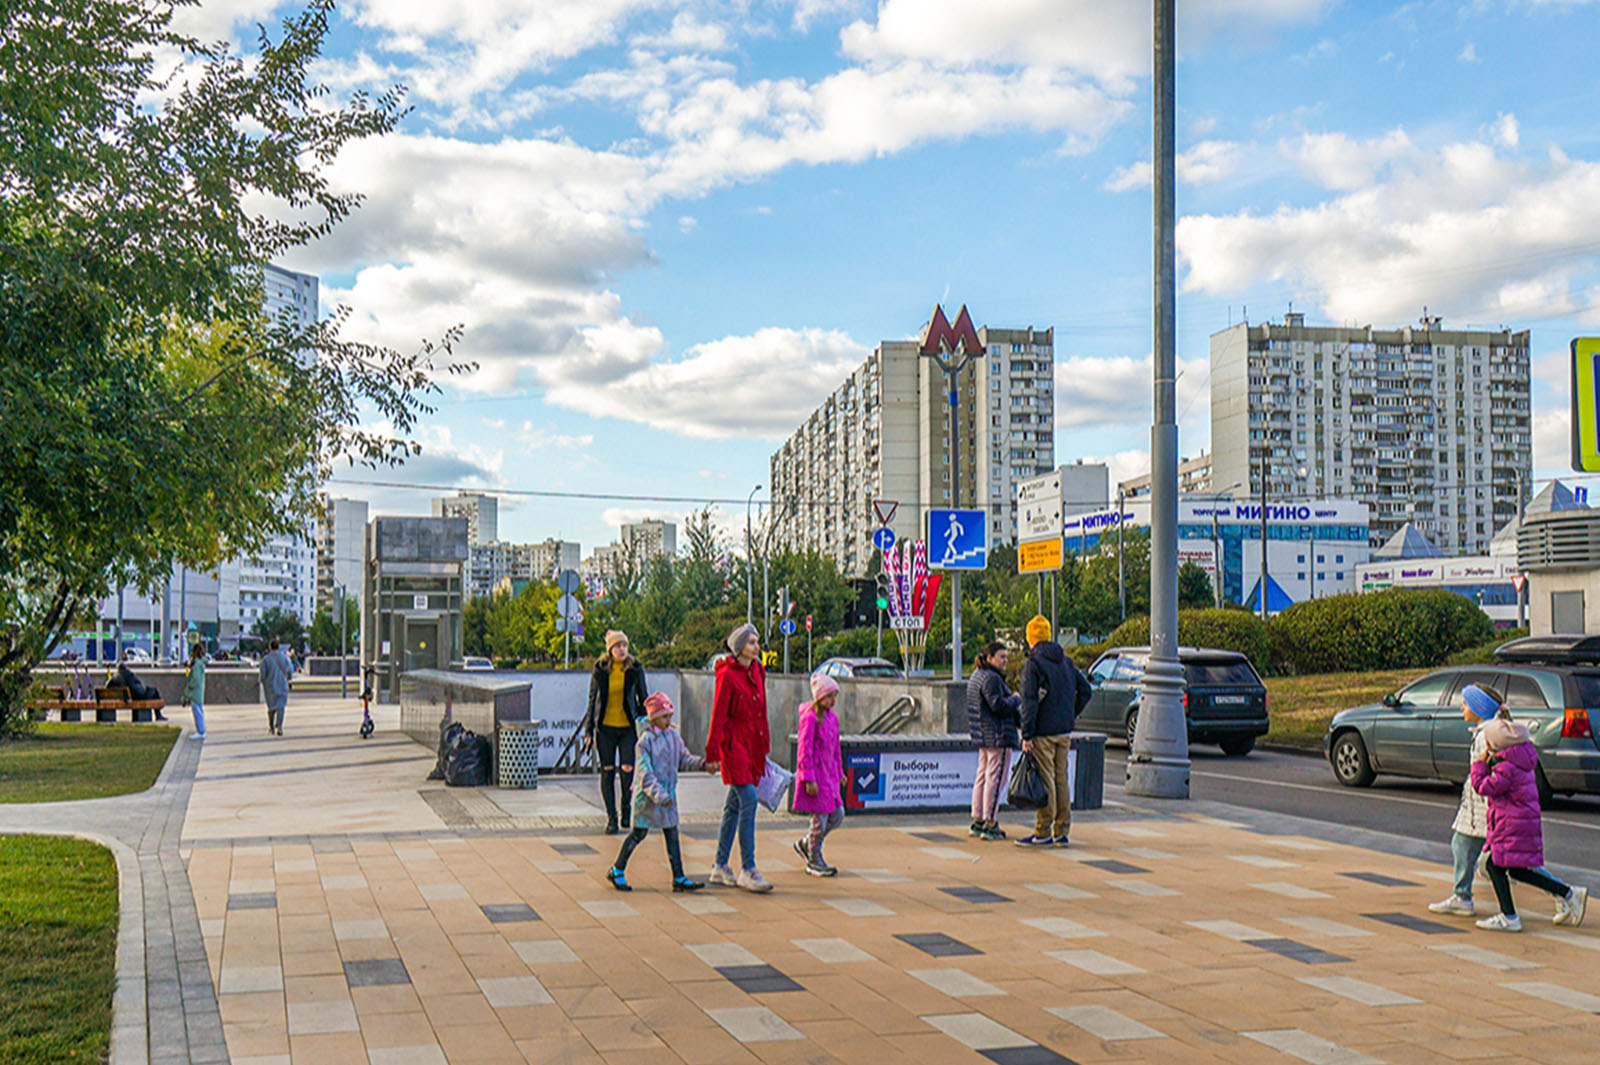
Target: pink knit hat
(659, 703)
(822, 684)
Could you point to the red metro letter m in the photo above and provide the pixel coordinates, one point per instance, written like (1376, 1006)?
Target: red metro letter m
(939, 335)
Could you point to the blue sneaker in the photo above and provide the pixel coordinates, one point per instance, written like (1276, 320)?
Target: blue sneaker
(1061, 841)
(618, 878)
(1035, 841)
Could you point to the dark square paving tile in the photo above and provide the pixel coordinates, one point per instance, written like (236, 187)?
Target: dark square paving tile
(1111, 865)
(1028, 1055)
(1301, 952)
(1381, 880)
(937, 944)
(757, 979)
(1416, 924)
(260, 900)
(509, 913)
(967, 893)
(931, 835)
(574, 847)
(378, 973)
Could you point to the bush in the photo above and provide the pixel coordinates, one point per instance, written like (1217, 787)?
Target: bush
(1483, 653)
(856, 643)
(1225, 630)
(1400, 628)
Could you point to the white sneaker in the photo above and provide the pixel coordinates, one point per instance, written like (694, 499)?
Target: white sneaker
(1455, 905)
(1570, 910)
(751, 880)
(197, 735)
(1501, 923)
(721, 874)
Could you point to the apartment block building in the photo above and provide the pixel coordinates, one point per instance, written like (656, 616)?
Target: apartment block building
(341, 540)
(649, 539)
(1420, 423)
(488, 564)
(884, 434)
(482, 512)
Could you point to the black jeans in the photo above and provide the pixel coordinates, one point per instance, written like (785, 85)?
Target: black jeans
(1501, 876)
(636, 837)
(614, 745)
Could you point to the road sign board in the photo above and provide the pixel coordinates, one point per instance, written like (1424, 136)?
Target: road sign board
(1519, 581)
(909, 623)
(808, 622)
(1040, 556)
(788, 627)
(1586, 404)
(884, 509)
(568, 580)
(883, 539)
(1039, 508)
(569, 607)
(958, 539)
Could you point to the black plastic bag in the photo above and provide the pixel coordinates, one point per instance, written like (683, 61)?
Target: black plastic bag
(1027, 789)
(448, 731)
(466, 763)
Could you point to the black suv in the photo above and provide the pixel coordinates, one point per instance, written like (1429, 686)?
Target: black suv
(1224, 702)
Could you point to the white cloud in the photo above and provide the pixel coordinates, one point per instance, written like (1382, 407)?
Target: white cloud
(1123, 465)
(1468, 53)
(688, 223)
(1464, 229)
(535, 439)
(1506, 132)
(760, 385)
(1552, 442)
(686, 34)
(1206, 162)
(1338, 161)
(215, 20)
(1116, 392)
(808, 12)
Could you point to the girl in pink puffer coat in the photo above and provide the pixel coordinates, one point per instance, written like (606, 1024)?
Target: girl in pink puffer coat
(1505, 777)
(818, 772)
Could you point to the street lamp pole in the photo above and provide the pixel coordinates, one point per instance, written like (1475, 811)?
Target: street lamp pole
(1265, 468)
(749, 560)
(1158, 764)
(952, 368)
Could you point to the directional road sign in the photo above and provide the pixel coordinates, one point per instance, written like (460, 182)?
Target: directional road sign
(568, 580)
(883, 539)
(1039, 509)
(1039, 556)
(1586, 404)
(788, 627)
(958, 539)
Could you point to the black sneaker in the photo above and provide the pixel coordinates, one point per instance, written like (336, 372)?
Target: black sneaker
(618, 878)
(820, 868)
(683, 883)
(978, 828)
(992, 830)
(611, 827)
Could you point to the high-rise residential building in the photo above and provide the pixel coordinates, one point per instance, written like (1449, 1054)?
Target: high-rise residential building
(488, 564)
(1194, 478)
(341, 540)
(481, 510)
(650, 539)
(883, 435)
(1420, 423)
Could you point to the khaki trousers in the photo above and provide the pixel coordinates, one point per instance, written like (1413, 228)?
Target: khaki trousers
(1050, 755)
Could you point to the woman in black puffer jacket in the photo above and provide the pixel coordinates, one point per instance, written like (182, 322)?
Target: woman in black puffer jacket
(993, 713)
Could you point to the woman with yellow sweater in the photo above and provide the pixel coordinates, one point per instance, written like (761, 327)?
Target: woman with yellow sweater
(616, 703)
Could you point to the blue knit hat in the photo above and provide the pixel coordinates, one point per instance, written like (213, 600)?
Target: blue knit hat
(1480, 702)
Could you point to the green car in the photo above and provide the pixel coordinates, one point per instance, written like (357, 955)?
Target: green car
(1224, 701)
(1550, 683)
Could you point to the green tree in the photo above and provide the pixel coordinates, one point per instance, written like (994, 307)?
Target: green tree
(700, 579)
(815, 585)
(151, 413)
(276, 621)
(324, 633)
(1194, 588)
(475, 625)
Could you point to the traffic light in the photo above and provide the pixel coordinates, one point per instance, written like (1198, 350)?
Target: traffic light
(883, 591)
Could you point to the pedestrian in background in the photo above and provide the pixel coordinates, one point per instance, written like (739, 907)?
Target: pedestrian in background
(1504, 775)
(738, 742)
(661, 754)
(275, 670)
(818, 772)
(194, 689)
(1053, 691)
(616, 706)
(993, 713)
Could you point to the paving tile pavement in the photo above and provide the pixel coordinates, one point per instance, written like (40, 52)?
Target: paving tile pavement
(394, 935)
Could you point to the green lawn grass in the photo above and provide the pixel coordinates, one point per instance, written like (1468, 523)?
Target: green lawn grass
(58, 762)
(58, 945)
(1300, 707)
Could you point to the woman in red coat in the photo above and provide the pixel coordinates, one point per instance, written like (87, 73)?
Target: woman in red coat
(738, 740)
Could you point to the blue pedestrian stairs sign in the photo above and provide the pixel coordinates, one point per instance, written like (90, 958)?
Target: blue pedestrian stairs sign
(958, 539)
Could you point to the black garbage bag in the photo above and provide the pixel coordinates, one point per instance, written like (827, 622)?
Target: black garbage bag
(448, 731)
(466, 763)
(1027, 790)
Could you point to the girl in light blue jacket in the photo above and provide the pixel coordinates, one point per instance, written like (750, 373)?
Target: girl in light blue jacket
(658, 756)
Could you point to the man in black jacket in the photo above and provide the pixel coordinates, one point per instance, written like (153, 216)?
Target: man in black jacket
(1053, 691)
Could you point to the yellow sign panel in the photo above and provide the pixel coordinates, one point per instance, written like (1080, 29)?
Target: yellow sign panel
(1586, 404)
(1039, 557)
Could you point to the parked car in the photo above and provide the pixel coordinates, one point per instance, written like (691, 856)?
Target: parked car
(1550, 683)
(136, 654)
(476, 664)
(1224, 700)
(860, 667)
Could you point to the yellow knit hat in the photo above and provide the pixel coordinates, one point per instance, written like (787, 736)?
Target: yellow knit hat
(1038, 630)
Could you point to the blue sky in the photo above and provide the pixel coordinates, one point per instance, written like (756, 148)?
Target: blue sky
(671, 227)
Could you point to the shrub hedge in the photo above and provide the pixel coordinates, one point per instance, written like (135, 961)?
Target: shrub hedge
(1227, 630)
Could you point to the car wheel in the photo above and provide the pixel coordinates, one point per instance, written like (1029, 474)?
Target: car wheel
(1351, 766)
(1238, 747)
(1546, 795)
(1133, 723)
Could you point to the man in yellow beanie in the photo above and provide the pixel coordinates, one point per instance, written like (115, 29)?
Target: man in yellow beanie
(1054, 691)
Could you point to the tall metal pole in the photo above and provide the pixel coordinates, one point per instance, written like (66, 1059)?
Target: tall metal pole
(118, 645)
(1158, 765)
(951, 370)
(1216, 558)
(749, 561)
(1265, 459)
(344, 645)
(183, 608)
(1122, 583)
(165, 649)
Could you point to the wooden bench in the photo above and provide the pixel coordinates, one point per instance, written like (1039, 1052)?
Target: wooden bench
(107, 703)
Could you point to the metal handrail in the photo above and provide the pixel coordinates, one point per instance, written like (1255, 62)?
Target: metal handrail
(896, 716)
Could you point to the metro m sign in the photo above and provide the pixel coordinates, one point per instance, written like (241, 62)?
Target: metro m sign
(940, 336)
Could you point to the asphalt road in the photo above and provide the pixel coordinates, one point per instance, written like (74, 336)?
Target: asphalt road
(1303, 786)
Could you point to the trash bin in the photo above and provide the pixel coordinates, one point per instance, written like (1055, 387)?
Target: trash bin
(1088, 770)
(517, 754)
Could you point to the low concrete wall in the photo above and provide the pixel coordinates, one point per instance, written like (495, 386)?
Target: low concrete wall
(328, 666)
(225, 684)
